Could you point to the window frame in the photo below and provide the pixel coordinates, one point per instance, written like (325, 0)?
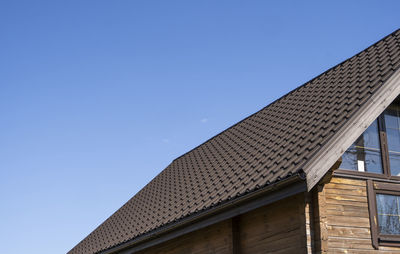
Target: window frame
(386, 174)
(373, 188)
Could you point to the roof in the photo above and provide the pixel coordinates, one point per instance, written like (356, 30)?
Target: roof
(273, 144)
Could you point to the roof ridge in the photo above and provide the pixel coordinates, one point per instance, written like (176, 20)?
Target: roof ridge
(288, 93)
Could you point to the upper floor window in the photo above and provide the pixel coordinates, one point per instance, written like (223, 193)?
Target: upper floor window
(392, 120)
(377, 150)
(365, 154)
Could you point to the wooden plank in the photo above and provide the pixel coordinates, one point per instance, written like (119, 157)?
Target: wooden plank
(344, 207)
(350, 243)
(362, 213)
(343, 186)
(362, 251)
(347, 210)
(348, 181)
(349, 232)
(352, 251)
(348, 221)
(275, 243)
(346, 202)
(355, 191)
(347, 198)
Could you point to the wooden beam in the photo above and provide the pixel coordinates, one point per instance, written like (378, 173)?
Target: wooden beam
(306, 214)
(372, 214)
(235, 235)
(320, 220)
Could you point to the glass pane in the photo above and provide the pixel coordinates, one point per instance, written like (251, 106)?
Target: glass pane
(387, 204)
(391, 118)
(373, 161)
(370, 137)
(394, 163)
(365, 153)
(393, 136)
(389, 225)
(349, 159)
(388, 214)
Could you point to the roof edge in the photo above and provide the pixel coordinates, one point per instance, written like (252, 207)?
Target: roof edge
(324, 158)
(291, 91)
(267, 195)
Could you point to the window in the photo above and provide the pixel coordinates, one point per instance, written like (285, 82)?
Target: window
(375, 156)
(365, 154)
(388, 212)
(384, 206)
(377, 150)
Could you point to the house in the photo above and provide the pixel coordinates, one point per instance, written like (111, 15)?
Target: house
(316, 171)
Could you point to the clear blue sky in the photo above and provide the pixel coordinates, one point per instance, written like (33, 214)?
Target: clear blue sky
(97, 97)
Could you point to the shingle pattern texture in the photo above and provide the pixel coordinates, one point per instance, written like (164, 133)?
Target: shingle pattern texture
(264, 148)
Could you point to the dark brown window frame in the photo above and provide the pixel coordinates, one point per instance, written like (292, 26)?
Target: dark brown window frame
(373, 188)
(386, 174)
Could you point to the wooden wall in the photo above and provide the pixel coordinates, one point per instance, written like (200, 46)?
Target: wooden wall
(278, 228)
(213, 239)
(334, 218)
(342, 218)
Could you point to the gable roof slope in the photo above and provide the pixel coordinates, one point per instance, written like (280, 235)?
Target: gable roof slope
(271, 145)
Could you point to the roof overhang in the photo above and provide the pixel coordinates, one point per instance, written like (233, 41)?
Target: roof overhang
(270, 194)
(323, 160)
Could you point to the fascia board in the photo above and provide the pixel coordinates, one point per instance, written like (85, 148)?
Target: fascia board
(319, 164)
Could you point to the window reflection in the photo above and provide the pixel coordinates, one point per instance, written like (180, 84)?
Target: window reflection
(392, 117)
(388, 214)
(365, 154)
